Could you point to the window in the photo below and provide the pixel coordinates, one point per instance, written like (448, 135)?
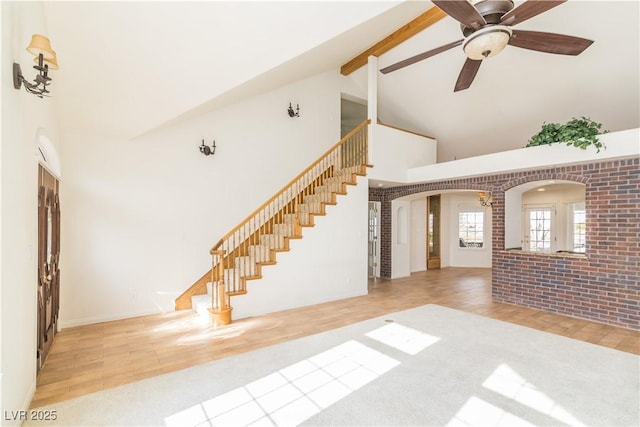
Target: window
(471, 228)
(577, 226)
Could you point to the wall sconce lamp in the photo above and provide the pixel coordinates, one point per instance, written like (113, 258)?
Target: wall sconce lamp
(45, 59)
(206, 150)
(485, 198)
(292, 112)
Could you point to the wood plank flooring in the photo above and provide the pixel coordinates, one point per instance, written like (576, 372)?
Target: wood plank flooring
(90, 358)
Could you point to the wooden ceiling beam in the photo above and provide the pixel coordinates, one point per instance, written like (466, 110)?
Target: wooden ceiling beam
(403, 33)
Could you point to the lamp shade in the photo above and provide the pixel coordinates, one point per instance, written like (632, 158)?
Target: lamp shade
(487, 42)
(41, 45)
(52, 62)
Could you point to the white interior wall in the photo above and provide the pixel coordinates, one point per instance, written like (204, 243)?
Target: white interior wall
(140, 216)
(446, 239)
(419, 234)
(23, 115)
(316, 269)
(401, 238)
(513, 219)
(394, 152)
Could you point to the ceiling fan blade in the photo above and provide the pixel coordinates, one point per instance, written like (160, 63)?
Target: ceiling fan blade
(467, 74)
(462, 11)
(527, 10)
(419, 57)
(549, 42)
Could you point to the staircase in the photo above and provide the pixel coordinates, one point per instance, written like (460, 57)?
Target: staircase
(240, 255)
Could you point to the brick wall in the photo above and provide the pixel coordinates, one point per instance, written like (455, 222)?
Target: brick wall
(603, 285)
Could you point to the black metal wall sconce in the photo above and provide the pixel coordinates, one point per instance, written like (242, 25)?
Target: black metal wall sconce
(46, 60)
(206, 150)
(292, 112)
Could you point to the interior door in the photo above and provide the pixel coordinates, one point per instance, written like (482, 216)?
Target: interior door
(433, 232)
(539, 228)
(373, 239)
(48, 281)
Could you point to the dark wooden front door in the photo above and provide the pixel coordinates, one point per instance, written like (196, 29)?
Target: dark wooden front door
(48, 257)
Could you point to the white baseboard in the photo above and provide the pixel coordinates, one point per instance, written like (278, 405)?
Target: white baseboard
(69, 323)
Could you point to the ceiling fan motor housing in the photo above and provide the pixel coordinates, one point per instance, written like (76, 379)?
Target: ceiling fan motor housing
(491, 11)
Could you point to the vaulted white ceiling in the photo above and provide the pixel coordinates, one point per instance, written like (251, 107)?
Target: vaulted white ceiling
(517, 90)
(129, 67)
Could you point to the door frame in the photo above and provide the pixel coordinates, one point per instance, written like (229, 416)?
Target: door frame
(434, 261)
(373, 239)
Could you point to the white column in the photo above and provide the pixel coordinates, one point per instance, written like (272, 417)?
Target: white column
(372, 88)
(372, 101)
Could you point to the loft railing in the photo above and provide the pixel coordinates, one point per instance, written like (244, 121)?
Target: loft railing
(252, 243)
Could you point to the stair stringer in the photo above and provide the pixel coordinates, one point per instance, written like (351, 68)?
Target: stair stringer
(328, 264)
(335, 187)
(314, 205)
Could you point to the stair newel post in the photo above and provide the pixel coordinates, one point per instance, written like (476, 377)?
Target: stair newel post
(220, 311)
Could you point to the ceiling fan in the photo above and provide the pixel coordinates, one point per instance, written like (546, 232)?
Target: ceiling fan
(486, 26)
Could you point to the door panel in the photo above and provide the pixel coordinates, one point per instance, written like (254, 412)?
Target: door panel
(374, 220)
(539, 231)
(433, 232)
(48, 282)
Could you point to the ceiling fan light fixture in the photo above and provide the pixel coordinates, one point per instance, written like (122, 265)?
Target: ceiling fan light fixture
(486, 42)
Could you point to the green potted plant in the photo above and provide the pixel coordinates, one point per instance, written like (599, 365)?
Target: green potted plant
(580, 133)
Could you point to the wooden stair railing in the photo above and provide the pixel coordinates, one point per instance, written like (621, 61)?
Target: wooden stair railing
(240, 254)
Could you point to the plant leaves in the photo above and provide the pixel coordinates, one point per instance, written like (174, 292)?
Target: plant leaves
(580, 133)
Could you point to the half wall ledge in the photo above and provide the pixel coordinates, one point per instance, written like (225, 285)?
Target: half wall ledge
(619, 145)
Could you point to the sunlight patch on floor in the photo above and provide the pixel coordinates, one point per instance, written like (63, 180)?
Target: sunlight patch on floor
(478, 412)
(507, 382)
(209, 333)
(294, 393)
(403, 338)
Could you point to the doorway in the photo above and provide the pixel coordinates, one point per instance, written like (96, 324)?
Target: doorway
(433, 232)
(353, 111)
(539, 229)
(374, 249)
(48, 280)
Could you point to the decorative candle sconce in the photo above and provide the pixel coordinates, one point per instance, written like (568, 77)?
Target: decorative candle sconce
(206, 150)
(292, 112)
(45, 59)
